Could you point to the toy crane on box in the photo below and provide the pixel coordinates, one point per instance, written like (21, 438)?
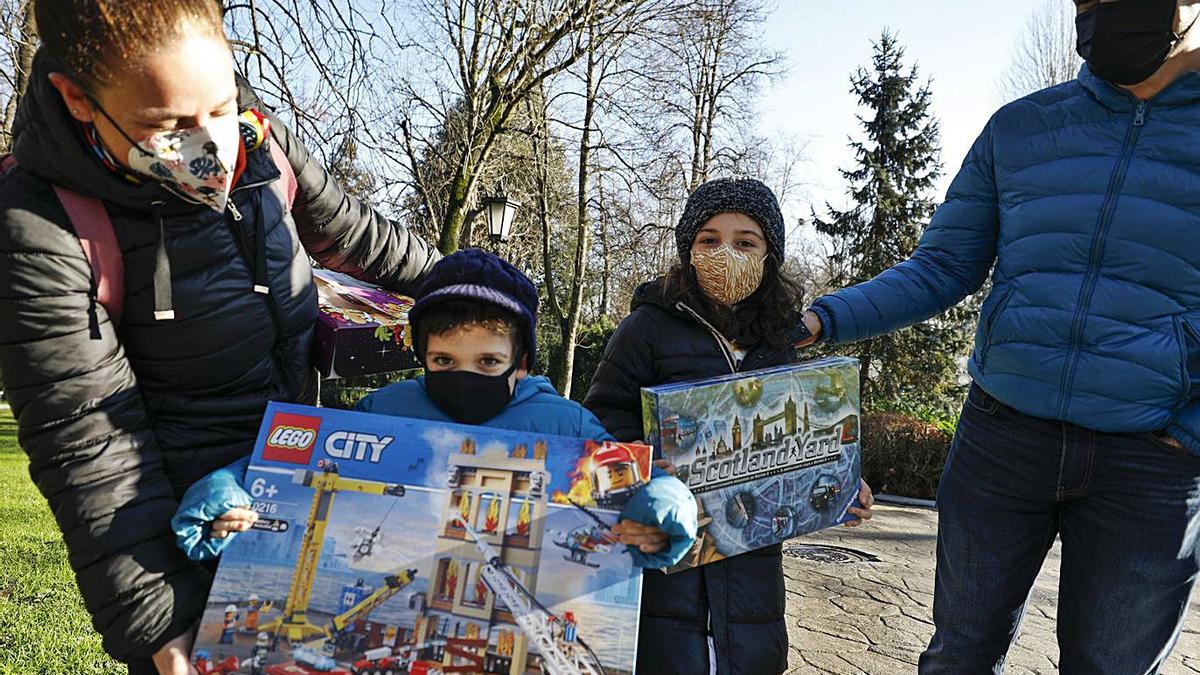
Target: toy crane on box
(293, 624)
(537, 622)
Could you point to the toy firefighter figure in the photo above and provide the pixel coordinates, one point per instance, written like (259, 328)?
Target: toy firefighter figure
(258, 656)
(615, 476)
(252, 608)
(229, 627)
(201, 662)
(569, 627)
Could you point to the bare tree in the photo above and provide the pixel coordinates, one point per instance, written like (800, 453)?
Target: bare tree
(497, 54)
(319, 63)
(19, 44)
(714, 62)
(1044, 54)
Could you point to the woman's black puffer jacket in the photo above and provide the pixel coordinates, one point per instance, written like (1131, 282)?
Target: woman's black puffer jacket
(118, 420)
(738, 601)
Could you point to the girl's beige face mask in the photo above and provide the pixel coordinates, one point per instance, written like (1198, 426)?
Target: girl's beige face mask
(727, 275)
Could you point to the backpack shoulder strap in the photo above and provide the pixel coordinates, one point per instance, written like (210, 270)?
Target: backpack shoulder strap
(99, 242)
(286, 174)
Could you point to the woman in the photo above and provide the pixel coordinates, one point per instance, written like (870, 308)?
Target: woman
(135, 104)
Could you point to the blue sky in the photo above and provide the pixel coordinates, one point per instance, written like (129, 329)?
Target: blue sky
(963, 46)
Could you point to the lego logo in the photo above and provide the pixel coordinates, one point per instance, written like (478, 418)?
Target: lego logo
(292, 438)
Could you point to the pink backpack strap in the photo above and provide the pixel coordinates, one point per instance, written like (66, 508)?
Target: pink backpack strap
(99, 241)
(286, 174)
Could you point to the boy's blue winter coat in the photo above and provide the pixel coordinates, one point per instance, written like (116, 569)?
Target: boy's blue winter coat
(536, 406)
(1088, 202)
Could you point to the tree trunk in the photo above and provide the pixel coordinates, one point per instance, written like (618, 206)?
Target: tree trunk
(570, 326)
(606, 272)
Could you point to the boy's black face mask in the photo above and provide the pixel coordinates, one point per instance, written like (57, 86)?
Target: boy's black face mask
(470, 398)
(1126, 42)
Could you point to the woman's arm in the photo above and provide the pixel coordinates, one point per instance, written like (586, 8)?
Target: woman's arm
(83, 424)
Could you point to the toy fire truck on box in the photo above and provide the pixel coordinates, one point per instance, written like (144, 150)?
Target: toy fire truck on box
(769, 455)
(389, 546)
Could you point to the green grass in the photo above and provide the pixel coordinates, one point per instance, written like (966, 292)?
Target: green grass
(43, 625)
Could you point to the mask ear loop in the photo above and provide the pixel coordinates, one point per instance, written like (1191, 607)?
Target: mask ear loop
(144, 152)
(1179, 36)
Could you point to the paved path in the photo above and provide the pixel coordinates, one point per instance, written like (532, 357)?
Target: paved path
(875, 617)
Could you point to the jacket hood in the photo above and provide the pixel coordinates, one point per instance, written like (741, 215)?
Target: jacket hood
(651, 293)
(531, 387)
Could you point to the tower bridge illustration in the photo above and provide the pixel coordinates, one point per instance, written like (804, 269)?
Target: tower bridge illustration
(765, 431)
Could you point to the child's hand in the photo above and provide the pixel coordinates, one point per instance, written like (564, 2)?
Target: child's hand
(211, 510)
(647, 538)
(233, 521)
(867, 499)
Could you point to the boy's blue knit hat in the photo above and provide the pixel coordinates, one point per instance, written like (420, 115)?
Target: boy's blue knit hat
(477, 275)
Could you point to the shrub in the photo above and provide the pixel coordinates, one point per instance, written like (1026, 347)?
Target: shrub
(903, 455)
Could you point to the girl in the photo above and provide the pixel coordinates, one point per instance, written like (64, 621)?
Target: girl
(726, 307)
(133, 110)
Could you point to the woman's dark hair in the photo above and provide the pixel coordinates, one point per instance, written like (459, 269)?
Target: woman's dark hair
(769, 316)
(93, 39)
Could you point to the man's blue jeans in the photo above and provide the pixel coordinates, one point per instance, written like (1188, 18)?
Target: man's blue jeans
(1125, 507)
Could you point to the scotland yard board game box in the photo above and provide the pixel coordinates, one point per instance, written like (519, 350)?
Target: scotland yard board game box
(388, 545)
(362, 329)
(769, 454)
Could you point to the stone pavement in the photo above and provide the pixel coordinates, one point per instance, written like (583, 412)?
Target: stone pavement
(875, 617)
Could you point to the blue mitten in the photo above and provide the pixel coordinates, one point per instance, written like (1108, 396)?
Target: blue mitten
(666, 503)
(205, 501)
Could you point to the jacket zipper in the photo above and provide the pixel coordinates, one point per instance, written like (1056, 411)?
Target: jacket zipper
(281, 370)
(1097, 253)
(716, 335)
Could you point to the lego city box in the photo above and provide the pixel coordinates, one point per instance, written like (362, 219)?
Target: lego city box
(362, 329)
(769, 454)
(387, 545)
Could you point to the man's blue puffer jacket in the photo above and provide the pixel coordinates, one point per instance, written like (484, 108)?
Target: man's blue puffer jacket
(1088, 202)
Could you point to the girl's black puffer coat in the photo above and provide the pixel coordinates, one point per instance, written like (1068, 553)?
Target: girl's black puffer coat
(738, 601)
(118, 420)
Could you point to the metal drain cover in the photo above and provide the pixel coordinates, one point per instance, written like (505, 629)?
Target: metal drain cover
(832, 555)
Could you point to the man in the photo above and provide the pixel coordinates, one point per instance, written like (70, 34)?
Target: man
(1084, 420)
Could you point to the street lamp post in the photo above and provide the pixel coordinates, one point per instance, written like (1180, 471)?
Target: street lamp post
(501, 210)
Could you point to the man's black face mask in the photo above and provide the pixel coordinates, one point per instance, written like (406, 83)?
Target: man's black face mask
(1126, 42)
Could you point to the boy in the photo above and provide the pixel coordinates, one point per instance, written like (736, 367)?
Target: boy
(474, 329)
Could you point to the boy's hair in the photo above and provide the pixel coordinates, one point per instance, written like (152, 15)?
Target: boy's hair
(480, 279)
(458, 313)
(769, 316)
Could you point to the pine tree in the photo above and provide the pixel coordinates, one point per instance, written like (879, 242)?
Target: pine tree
(890, 189)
